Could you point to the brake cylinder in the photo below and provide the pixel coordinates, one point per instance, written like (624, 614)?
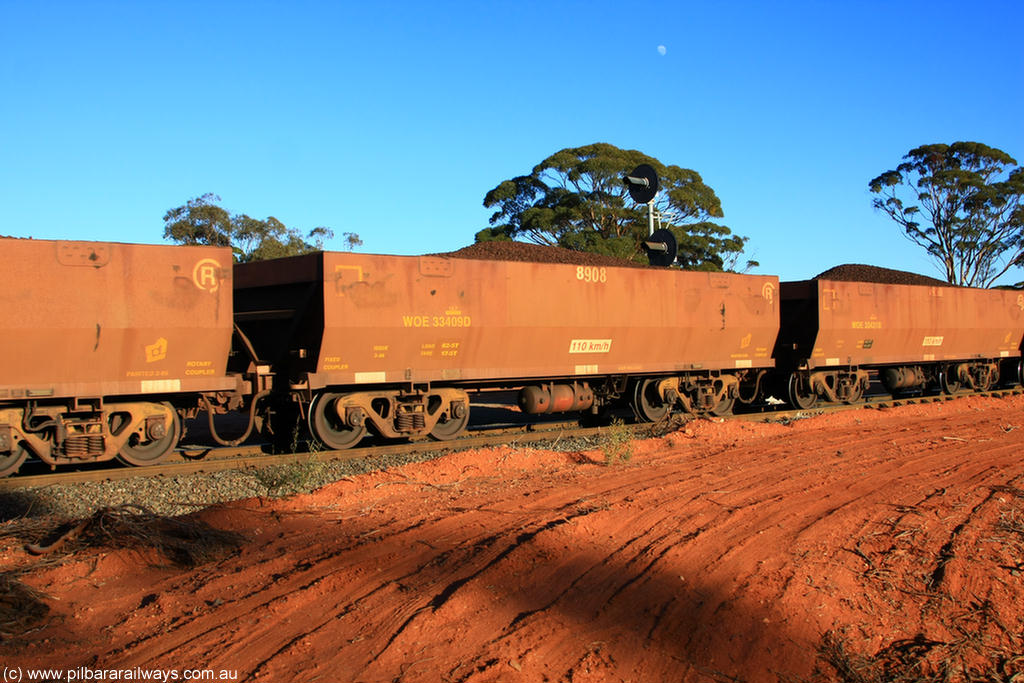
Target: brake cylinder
(555, 398)
(904, 377)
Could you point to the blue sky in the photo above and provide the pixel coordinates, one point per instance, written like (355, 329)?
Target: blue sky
(393, 119)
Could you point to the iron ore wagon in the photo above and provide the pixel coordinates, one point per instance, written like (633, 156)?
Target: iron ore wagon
(917, 337)
(102, 345)
(395, 343)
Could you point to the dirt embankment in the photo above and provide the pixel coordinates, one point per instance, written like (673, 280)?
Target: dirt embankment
(725, 552)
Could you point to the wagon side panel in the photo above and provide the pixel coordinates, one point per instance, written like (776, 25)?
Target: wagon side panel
(876, 324)
(103, 319)
(395, 319)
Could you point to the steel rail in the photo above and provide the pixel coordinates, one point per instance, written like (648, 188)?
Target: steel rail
(209, 460)
(199, 461)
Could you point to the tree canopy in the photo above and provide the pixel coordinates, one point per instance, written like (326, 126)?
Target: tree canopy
(203, 221)
(962, 203)
(576, 199)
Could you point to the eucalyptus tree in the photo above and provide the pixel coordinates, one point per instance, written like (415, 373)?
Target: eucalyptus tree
(202, 220)
(576, 199)
(962, 203)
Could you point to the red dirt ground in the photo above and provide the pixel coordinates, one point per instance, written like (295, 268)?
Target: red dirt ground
(724, 552)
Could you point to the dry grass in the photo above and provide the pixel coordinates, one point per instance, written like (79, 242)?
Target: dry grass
(21, 607)
(980, 639)
(182, 541)
(284, 480)
(672, 422)
(916, 660)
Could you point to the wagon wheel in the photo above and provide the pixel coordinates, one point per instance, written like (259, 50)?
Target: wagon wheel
(988, 383)
(142, 451)
(451, 424)
(326, 425)
(10, 463)
(800, 393)
(647, 403)
(856, 392)
(723, 407)
(948, 380)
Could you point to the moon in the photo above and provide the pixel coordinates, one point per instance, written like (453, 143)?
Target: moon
(662, 50)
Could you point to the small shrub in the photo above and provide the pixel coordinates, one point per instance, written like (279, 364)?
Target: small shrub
(283, 480)
(617, 443)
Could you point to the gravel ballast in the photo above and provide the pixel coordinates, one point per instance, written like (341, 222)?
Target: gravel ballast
(182, 494)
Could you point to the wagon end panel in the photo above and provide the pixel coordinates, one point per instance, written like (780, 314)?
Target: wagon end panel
(279, 308)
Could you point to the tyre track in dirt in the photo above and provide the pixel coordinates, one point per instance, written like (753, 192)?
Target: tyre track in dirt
(723, 552)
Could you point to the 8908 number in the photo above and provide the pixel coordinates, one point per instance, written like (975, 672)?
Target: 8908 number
(591, 274)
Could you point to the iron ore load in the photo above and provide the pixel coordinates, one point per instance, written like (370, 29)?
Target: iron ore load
(107, 348)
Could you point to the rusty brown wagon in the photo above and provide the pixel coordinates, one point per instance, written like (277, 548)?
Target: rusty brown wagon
(395, 343)
(102, 343)
(916, 337)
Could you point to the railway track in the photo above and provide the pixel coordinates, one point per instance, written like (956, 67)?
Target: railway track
(200, 460)
(208, 460)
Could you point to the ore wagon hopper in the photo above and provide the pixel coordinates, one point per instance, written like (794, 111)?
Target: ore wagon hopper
(917, 337)
(395, 343)
(102, 342)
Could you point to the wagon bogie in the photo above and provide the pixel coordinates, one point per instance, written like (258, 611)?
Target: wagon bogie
(145, 433)
(839, 385)
(341, 420)
(11, 459)
(703, 393)
(713, 393)
(136, 432)
(652, 399)
(1011, 371)
(979, 376)
(334, 423)
(799, 391)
